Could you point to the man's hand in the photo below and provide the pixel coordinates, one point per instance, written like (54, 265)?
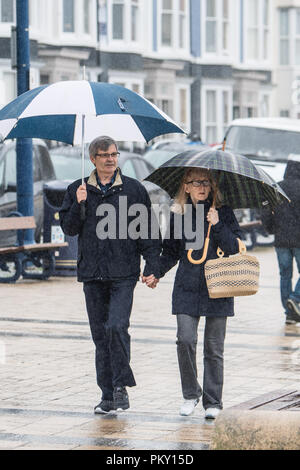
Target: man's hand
(81, 193)
(150, 281)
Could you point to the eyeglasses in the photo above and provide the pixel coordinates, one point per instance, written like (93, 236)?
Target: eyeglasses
(107, 155)
(198, 183)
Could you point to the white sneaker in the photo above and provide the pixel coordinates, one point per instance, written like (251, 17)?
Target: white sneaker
(211, 413)
(188, 407)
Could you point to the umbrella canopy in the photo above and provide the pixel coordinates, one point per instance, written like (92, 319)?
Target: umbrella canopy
(57, 112)
(242, 184)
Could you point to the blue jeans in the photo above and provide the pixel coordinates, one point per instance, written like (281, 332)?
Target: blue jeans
(285, 260)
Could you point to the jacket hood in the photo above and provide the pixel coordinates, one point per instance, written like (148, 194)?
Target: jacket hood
(292, 170)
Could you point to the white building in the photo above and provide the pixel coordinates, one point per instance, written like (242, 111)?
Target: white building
(201, 61)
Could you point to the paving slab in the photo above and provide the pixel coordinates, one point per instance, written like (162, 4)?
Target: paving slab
(47, 375)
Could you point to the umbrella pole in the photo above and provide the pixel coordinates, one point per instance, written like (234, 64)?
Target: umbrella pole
(206, 243)
(82, 203)
(82, 148)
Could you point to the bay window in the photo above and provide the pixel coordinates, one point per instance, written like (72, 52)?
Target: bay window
(7, 11)
(257, 30)
(217, 113)
(284, 41)
(87, 16)
(68, 16)
(118, 19)
(174, 23)
(217, 22)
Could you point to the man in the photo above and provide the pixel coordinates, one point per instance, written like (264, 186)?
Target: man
(285, 224)
(109, 264)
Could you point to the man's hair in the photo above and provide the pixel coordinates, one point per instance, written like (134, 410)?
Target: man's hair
(101, 143)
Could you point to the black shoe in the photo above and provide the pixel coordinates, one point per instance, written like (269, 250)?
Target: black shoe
(294, 308)
(121, 400)
(104, 407)
(290, 319)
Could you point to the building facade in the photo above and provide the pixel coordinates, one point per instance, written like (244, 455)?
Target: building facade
(204, 62)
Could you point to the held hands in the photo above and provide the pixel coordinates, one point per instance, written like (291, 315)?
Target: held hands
(150, 281)
(81, 193)
(213, 216)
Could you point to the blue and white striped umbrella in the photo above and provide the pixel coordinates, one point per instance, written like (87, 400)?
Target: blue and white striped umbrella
(58, 111)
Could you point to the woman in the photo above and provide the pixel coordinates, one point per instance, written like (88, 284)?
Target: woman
(190, 296)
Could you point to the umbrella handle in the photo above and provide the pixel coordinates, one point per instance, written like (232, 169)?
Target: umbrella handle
(205, 249)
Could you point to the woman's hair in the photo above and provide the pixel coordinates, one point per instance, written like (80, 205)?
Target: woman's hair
(182, 196)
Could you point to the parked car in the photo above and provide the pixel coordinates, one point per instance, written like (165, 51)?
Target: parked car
(158, 155)
(67, 164)
(42, 171)
(268, 143)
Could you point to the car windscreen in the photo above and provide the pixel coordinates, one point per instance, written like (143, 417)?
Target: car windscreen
(262, 143)
(69, 168)
(158, 157)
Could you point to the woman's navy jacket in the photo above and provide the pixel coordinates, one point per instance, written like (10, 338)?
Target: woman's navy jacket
(190, 295)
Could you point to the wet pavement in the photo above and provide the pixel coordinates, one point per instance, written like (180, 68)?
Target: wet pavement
(47, 374)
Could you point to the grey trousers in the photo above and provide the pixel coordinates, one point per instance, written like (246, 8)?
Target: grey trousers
(213, 350)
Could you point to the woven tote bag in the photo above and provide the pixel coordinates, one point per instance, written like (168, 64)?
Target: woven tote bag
(235, 276)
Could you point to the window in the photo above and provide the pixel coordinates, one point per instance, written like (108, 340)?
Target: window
(174, 23)
(7, 11)
(44, 79)
(167, 23)
(297, 47)
(134, 19)
(265, 106)
(217, 113)
(284, 44)
(285, 113)
(211, 26)
(225, 26)
(257, 30)
(266, 32)
(87, 16)
(118, 19)
(253, 30)
(211, 116)
(182, 24)
(217, 26)
(68, 16)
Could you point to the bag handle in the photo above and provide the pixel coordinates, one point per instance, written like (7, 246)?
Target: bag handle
(242, 249)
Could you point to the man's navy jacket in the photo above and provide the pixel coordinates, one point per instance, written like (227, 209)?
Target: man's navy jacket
(116, 257)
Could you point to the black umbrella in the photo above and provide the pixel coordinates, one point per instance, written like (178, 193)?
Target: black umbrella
(241, 182)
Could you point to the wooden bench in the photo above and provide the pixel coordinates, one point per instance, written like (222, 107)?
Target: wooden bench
(17, 258)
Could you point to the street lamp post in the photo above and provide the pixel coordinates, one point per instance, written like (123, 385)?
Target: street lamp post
(24, 146)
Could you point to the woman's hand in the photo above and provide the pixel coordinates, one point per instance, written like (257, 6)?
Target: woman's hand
(213, 216)
(150, 281)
